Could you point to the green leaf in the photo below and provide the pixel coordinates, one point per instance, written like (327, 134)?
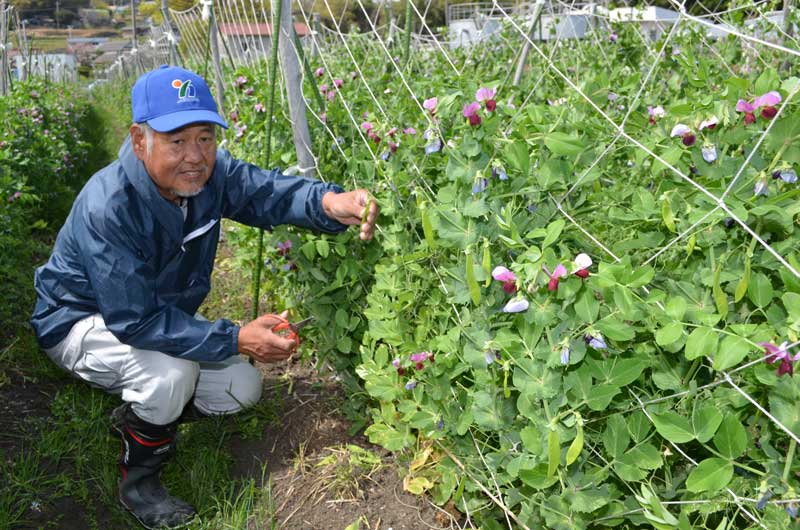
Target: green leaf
(553, 231)
(538, 477)
(553, 452)
(760, 290)
(518, 156)
(702, 341)
(323, 248)
(673, 427)
(705, 421)
(587, 307)
(791, 301)
(676, 307)
(731, 352)
(731, 439)
(783, 403)
(601, 396)
(531, 438)
(615, 329)
(563, 144)
(388, 437)
(588, 500)
(712, 474)
(670, 333)
(616, 437)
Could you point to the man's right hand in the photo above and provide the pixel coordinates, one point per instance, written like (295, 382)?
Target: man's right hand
(257, 339)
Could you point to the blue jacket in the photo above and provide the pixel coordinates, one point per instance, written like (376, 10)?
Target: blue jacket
(127, 253)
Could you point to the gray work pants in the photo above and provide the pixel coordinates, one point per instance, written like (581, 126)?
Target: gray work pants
(158, 385)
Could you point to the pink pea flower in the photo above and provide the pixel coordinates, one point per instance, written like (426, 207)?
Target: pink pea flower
(487, 95)
(471, 113)
(284, 247)
(234, 115)
(323, 117)
(260, 108)
(240, 130)
(768, 101)
(323, 88)
(249, 91)
(559, 272)
(367, 126)
(241, 81)
(430, 105)
(516, 305)
(391, 132)
(508, 278)
(393, 147)
(319, 72)
(685, 133)
(613, 37)
(654, 113)
(748, 109)
(419, 358)
(331, 95)
(582, 264)
(353, 75)
(410, 130)
(338, 83)
(15, 196)
(780, 354)
(710, 123)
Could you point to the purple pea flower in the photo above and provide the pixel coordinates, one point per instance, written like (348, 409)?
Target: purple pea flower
(480, 186)
(386, 155)
(787, 175)
(410, 130)
(596, 342)
(488, 357)
(499, 173)
(709, 153)
(612, 96)
(516, 305)
(760, 188)
(433, 147)
(565, 355)
(411, 385)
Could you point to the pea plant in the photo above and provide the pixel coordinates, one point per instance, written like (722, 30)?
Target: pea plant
(582, 306)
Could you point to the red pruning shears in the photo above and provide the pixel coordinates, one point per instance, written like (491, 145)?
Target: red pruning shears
(289, 330)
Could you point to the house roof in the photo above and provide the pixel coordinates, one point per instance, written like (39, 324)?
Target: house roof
(257, 29)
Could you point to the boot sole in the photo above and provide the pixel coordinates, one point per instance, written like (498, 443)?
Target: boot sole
(159, 527)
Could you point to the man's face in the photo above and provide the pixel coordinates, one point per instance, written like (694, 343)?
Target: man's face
(181, 161)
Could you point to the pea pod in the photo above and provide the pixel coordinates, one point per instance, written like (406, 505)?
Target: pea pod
(553, 451)
(366, 210)
(472, 283)
(486, 264)
(427, 227)
(576, 446)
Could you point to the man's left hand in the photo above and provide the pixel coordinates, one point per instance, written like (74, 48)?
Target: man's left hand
(349, 209)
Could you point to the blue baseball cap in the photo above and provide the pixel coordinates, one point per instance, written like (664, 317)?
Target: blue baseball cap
(169, 98)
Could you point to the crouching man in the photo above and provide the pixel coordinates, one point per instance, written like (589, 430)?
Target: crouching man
(117, 300)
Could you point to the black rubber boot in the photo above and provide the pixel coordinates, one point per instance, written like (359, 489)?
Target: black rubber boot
(145, 450)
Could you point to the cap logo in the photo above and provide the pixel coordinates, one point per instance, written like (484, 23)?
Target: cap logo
(186, 91)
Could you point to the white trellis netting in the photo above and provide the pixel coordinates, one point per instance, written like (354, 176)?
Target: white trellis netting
(761, 36)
